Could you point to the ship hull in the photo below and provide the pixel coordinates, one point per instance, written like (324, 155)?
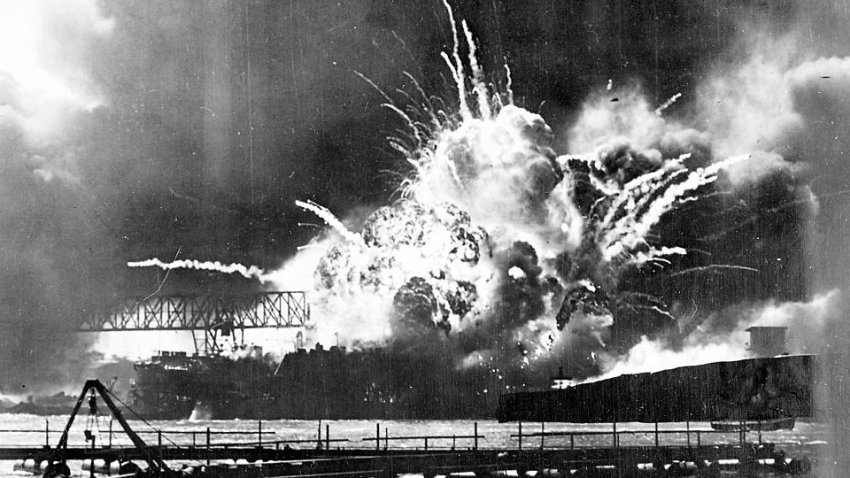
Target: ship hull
(328, 384)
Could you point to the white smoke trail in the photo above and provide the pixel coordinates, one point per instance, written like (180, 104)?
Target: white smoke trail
(634, 195)
(509, 84)
(251, 272)
(332, 221)
(667, 104)
(642, 213)
(456, 67)
(478, 81)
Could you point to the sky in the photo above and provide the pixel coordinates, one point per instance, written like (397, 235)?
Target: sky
(183, 130)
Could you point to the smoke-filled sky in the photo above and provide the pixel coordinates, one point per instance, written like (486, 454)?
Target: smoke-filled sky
(136, 129)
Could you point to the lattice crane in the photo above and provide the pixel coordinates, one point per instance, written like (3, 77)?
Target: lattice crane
(58, 466)
(213, 314)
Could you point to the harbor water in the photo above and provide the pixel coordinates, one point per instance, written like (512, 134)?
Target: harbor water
(29, 430)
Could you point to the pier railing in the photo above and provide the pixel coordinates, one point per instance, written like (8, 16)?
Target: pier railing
(523, 439)
(687, 437)
(586, 452)
(443, 438)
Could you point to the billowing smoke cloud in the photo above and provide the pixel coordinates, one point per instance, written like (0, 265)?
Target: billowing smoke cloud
(56, 252)
(808, 322)
(787, 98)
(45, 81)
(816, 81)
(135, 129)
(780, 97)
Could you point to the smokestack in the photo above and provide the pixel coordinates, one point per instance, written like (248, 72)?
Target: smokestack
(767, 341)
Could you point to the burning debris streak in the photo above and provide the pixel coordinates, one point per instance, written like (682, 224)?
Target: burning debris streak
(712, 268)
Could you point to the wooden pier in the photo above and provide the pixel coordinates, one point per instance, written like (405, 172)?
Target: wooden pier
(601, 461)
(326, 457)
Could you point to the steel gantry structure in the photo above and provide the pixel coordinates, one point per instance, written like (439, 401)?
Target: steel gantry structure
(213, 314)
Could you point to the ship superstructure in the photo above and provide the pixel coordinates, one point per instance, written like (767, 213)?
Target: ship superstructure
(173, 385)
(328, 383)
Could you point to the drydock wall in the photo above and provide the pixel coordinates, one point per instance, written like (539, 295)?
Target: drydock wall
(761, 388)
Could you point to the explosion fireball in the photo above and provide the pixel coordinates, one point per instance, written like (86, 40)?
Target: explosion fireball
(498, 246)
(490, 238)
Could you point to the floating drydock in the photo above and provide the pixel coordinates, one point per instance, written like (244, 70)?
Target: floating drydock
(752, 389)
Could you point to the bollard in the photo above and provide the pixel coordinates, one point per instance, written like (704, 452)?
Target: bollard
(656, 434)
(615, 434)
(520, 436)
(741, 437)
(542, 433)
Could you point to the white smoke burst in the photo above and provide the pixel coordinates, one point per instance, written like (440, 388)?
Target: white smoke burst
(499, 248)
(488, 247)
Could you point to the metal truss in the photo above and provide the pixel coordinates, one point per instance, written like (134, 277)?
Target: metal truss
(210, 313)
